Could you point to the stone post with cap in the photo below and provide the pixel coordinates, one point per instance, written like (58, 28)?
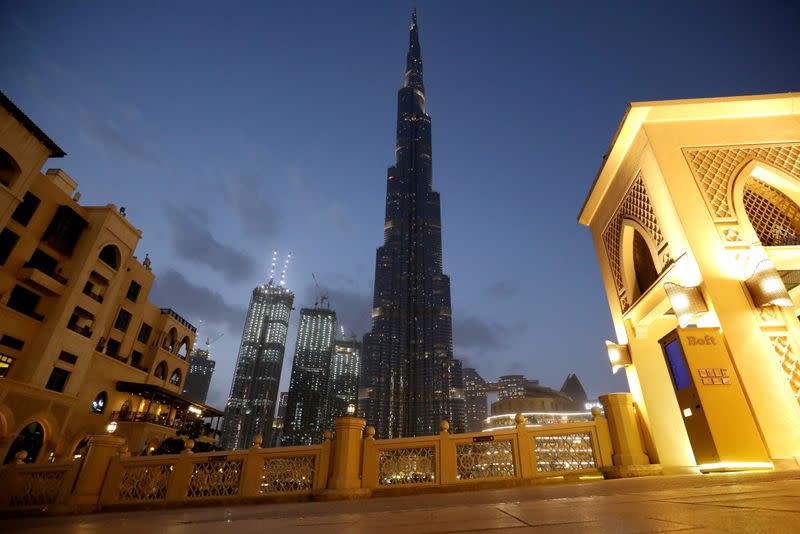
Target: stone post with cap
(345, 477)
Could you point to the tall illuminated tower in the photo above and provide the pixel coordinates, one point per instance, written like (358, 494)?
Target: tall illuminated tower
(308, 387)
(254, 390)
(410, 379)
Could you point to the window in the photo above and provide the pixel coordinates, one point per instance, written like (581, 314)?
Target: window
(5, 365)
(7, 241)
(67, 357)
(144, 333)
(42, 262)
(26, 209)
(58, 379)
(133, 291)
(175, 378)
(24, 301)
(161, 370)
(645, 268)
(774, 216)
(136, 358)
(112, 347)
(64, 230)
(99, 402)
(9, 170)
(12, 342)
(110, 256)
(123, 320)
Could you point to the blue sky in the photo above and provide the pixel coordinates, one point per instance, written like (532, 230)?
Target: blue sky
(229, 131)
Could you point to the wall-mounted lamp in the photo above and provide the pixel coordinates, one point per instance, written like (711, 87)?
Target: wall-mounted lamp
(111, 427)
(686, 302)
(766, 287)
(351, 409)
(618, 355)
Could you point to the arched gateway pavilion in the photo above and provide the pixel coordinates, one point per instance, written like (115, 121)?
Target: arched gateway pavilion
(695, 217)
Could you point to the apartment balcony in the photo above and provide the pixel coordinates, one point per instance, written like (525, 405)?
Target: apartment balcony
(181, 320)
(51, 283)
(94, 296)
(85, 330)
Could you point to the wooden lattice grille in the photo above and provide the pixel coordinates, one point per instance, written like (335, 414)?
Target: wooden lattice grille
(775, 218)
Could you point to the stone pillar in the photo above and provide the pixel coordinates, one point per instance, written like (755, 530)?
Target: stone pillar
(89, 483)
(626, 437)
(345, 479)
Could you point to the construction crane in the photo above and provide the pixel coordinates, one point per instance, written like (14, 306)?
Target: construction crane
(213, 339)
(322, 298)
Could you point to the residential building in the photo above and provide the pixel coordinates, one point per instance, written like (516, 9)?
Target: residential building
(81, 346)
(201, 369)
(308, 386)
(344, 374)
(475, 395)
(410, 380)
(277, 423)
(254, 389)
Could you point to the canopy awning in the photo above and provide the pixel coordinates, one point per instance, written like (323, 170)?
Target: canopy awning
(160, 394)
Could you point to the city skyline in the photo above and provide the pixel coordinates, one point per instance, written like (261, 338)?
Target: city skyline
(503, 123)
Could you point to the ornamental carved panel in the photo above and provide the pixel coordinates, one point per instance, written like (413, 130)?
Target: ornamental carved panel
(635, 205)
(715, 168)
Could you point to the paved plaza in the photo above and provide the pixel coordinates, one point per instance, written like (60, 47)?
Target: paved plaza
(752, 502)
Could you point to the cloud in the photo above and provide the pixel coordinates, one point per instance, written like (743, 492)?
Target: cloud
(249, 201)
(104, 133)
(192, 240)
(173, 290)
(475, 333)
(501, 289)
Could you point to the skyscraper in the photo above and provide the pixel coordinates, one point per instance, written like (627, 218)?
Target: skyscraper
(308, 386)
(201, 367)
(345, 371)
(277, 424)
(254, 390)
(477, 407)
(411, 380)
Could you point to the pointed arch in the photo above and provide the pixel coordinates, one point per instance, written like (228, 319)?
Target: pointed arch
(639, 257)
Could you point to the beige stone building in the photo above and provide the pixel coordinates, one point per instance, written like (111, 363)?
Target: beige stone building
(80, 343)
(695, 216)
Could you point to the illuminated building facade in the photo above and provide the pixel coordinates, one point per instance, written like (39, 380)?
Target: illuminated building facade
(410, 379)
(201, 368)
(254, 390)
(308, 386)
(277, 424)
(81, 345)
(345, 371)
(476, 402)
(695, 217)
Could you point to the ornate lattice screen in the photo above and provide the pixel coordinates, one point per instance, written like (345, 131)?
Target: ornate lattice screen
(775, 218)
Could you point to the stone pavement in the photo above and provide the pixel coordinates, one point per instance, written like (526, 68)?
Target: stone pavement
(749, 502)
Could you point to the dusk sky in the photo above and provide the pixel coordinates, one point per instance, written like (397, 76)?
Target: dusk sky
(229, 130)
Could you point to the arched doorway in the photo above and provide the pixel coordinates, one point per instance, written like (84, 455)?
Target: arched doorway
(30, 439)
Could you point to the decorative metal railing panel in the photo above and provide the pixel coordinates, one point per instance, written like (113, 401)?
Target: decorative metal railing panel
(287, 474)
(144, 483)
(407, 466)
(215, 479)
(564, 452)
(37, 489)
(485, 460)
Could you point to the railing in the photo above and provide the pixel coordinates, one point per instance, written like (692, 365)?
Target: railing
(181, 320)
(94, 296)
(571, 449)
(355, 464)
(144, 417)
(49, 272)
(85, 331)
(212, 476)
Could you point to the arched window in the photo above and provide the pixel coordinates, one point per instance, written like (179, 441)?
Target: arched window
(175, 378)
(183, 349)
(9, 170)
(161, 370)
(30, 440)
(774, 216)
(110, 256)
(643, 265)
(171, 340)
(99, 402)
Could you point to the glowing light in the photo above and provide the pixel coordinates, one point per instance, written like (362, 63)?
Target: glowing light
(618, 355)
(195, 410)
(351, 409)
(766, 287)
(687, 412)
(111, 427)
(686, 302)
(735, 466)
